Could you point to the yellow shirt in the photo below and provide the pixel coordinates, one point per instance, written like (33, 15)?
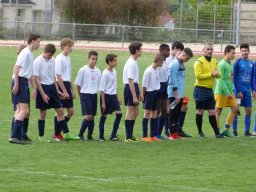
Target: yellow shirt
(203, 72)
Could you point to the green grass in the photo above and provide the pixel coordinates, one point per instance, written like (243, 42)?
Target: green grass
(187, 165)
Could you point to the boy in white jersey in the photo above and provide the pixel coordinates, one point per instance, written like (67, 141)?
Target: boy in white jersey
(109, 101)
(48, 95)
(150, 88)
(88, 82)
(164, 50)
(22, 73)
(131, 89)
(63, 76)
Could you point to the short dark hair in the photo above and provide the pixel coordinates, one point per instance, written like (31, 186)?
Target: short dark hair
(32, 37)
(91, 53)
(244, 45)
(66, 41)
(134, 46)
(158, 57)
(228, 48)
(177, 45)
(110, 58)
(188, 52)
(50, 48)
(163, 47)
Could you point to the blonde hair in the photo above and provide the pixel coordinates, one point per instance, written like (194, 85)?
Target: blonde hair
(66, 41)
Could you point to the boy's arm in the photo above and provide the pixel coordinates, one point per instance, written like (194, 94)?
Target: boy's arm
(235, 75)
(72, 90)
(78, 89)
(103, 105)
(132, 89)
(40, 89)
(223, 78)
(32, 83)
(62, 86)
(15, 88)
(253, 79)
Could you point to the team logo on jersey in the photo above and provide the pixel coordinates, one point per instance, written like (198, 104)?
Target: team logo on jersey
(251, 65)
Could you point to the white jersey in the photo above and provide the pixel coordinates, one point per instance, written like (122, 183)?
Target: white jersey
(108, 82)
(151, 79)
(63, 67)
(131, 71)
(163, 72)
(44, 69)
(25, 62)
(88, 79)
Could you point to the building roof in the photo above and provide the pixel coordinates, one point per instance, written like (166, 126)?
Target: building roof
(27, 2)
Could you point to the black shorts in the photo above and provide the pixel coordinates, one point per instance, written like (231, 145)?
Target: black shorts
(88, 104)
(23, 95)
(162, 92)
(204, 98)
(111, 103)
(51, 92)
(150, 100)
(67, 103)
(128, 98)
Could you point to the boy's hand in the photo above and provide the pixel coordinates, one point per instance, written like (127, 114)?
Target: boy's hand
(45, 98)
(215, 73)
(240, 95)
(15, 89)
(73, 95)
(230, 96)
(34, 93)
(177, 99)
(135, 100)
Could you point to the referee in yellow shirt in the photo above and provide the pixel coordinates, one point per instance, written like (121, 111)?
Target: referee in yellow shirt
(205, 72)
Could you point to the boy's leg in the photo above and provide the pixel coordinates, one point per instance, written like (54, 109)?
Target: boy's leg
(101, 126)
(230, 118)
(129, 121)
(153, 124)
(247, 121)
(145, 119)
(116, 124)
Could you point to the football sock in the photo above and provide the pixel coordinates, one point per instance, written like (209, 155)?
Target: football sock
(166, 125)
(63, 124)
(230, 118)
(13, 119)
(41, 125)
(25, 125)
(132, 127)
(160, 124)
(247, 122)
(67, 119)
(199, 122)
(153, 127)
(83, 127)
(234, 124)
(128, 129)
(116, 124)
(213, 122)
(90, 129)
(17, 128)
(101, 126)
(181, 121)
(144, 127)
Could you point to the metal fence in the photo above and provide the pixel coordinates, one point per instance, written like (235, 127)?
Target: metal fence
(192, 23)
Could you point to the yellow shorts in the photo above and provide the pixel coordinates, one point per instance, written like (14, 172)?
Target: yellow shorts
(223, 101)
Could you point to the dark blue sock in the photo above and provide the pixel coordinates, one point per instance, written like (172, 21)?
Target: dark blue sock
(116, 124)
(41, 125)
(153, 129)
(181, 121)
(90, 129)
(234, 124)
(247, 123)
(160, 124)
(66, 118)
(83, 128)
(63, 124)
(25, 125)
(56, 126)
(132, 126)
(166, 125)
(128, 124)
(144, 127)
(101, 126)
(17, 128)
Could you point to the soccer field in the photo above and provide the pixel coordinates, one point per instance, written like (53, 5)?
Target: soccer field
(200, 165)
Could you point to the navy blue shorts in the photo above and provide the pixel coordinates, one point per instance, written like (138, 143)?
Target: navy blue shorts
(247, 99)
(51, 92)
(204, 98)
(162, 92)
(128, 98)
(111, 103)
(67, 103)
(88, 104)
(150, 100)
(23, 95)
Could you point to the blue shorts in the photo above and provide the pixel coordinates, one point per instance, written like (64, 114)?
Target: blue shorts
(67, 103)
(23, 95)
(204, 98)
(247, 99)
(51, 92)
(88, 104)
(111, 103)
(162, 92)
(128, 98)
(150, 100)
